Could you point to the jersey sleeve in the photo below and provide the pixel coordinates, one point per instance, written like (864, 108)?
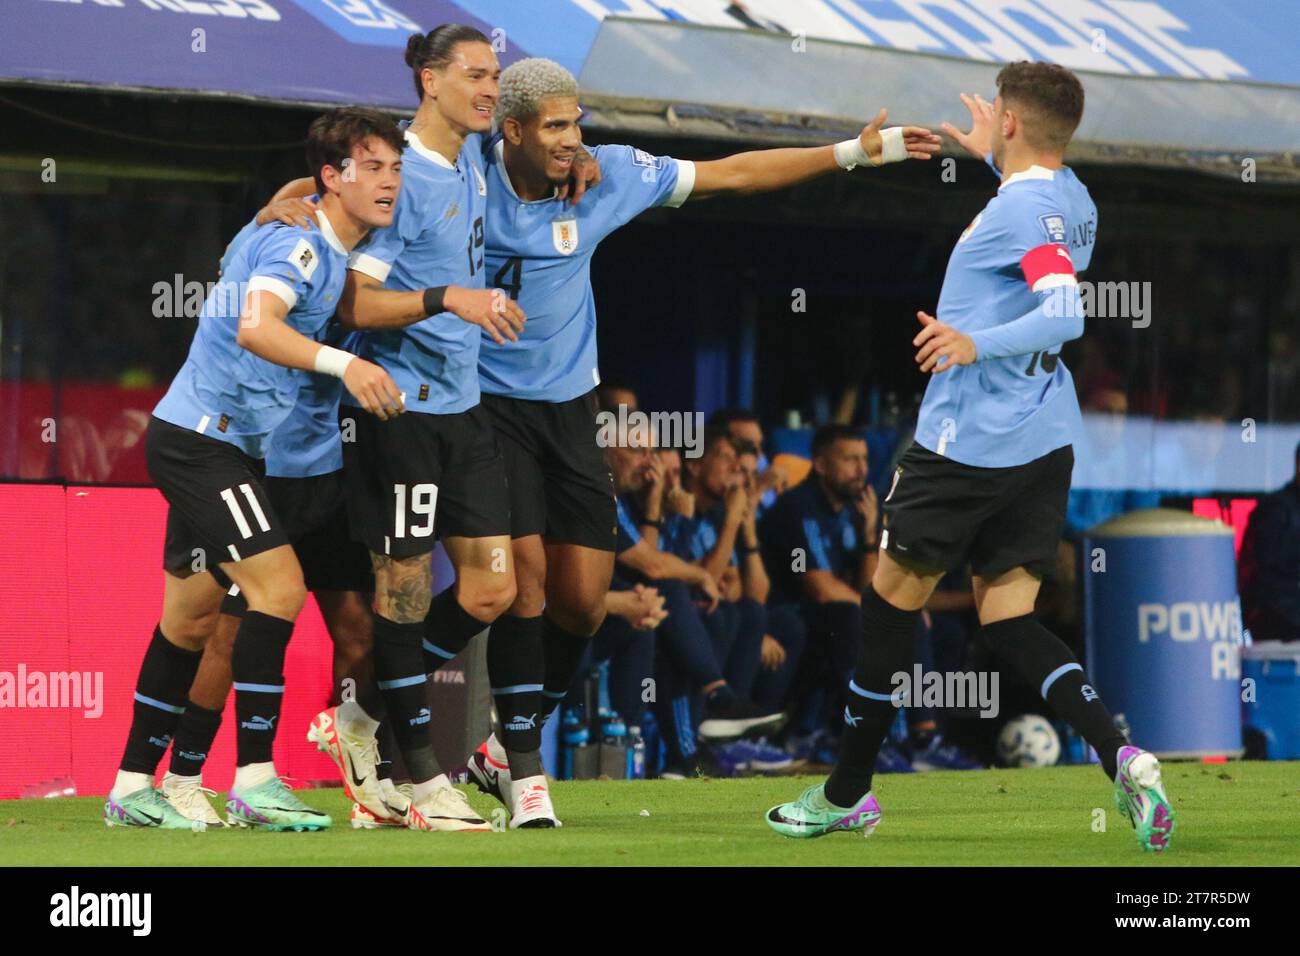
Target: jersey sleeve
(376, 255)
(642, 181)
(1035, 235)
(284, 265)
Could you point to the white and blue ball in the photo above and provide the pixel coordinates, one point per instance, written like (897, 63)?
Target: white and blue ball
(1028, 741)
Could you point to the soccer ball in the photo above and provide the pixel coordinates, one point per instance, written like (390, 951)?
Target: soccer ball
(1028, 741)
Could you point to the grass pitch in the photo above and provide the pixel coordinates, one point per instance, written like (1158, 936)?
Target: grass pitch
(1239, 814)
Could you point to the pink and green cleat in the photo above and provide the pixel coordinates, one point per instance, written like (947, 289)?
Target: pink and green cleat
(1140, 797)
(813, 816)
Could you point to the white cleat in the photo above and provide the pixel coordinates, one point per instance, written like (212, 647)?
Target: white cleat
(446, 808)
(355, 757)
(363, 819)
(530, 805)
(489, 770)
(189, 798)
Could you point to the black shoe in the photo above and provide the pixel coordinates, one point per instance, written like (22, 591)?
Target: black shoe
(728, 717)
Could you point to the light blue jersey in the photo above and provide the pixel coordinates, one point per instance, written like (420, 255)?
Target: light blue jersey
(436, 239)
(1011, 286)
(540, 254)
(226, 392)
(307, 442)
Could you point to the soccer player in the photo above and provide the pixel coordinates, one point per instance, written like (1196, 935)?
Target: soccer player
(538, 391)
(304, 482)
(987, 477)
(205, 447)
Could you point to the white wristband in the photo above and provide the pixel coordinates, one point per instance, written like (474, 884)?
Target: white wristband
(332, 361)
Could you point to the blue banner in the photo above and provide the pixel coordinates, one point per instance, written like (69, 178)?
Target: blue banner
(316, 51)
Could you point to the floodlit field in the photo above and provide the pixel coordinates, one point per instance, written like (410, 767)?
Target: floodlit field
(1228, 814)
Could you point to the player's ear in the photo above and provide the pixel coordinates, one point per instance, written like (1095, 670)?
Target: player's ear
(429, 78)
(512, 130)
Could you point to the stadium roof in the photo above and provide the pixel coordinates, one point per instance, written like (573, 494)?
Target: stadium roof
(1205, 83)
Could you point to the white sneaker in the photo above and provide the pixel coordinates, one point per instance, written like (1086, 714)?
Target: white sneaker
(189, 798)
(356, 758)
(530, 805)
(445, 809)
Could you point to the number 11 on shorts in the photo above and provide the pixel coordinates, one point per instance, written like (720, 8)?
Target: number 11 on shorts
(423, 501)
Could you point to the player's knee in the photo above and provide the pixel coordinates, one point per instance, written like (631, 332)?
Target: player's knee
(284, 600)
(487, 600)
(191, 631)
(580, 617)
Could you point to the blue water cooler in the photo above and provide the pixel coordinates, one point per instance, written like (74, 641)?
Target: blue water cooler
(1163, 627)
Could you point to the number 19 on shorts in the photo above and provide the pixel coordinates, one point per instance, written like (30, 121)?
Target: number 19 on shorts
(414, 508)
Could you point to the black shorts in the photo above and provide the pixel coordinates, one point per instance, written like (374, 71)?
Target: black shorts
(315, 515)
(560, 484)
(418, 475)
(218, 509)
(941, 513)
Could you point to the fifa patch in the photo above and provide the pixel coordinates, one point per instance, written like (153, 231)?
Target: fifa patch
(223, 423)
(641, 158)
(304, 259)
(424, 392)
(564, 236)
(478, 179)
(1054, 225)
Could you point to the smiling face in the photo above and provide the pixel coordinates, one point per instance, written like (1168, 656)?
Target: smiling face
(548, 141)
(466, 89)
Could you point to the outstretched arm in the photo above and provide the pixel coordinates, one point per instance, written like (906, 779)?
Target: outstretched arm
(763, 170)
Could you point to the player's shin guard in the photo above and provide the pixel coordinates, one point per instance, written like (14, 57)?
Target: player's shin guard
(888, 647)
(257, 665)
(1045, 663)
(516, 667)
(161, 691)
(563, 652)
(194, 735)
(448, 629)
(399, 669)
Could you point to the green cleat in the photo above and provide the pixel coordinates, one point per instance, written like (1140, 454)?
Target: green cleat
(1140, 797)
(273, 806)
(146, 808)
(813, 816)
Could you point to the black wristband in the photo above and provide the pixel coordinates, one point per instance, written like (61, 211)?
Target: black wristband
(659, 523)
(433, 300)
(753, 549)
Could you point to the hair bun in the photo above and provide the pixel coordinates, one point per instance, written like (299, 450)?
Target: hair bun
(413, 44)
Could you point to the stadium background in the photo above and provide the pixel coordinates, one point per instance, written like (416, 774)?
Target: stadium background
(161, 153)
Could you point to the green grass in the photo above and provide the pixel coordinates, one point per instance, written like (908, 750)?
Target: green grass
(1233, 814)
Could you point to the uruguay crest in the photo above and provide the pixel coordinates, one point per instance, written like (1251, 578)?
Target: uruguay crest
(564, 234)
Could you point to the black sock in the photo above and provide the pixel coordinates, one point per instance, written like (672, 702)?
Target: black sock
(399, 669)
(161, 690)
(386, 745)
(194, 736)
(563, 651)
(448, 629)
(1046, 664)
(257, 665)
(515, 669)
(888, 646)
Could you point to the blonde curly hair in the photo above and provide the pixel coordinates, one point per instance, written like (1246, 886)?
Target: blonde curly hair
(526, 83)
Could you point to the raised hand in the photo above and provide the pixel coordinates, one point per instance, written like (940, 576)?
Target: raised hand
(896, 143)
(979, 141)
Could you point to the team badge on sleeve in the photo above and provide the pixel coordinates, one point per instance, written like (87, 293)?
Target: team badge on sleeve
(304, 259)
(564, 234)
(641, 158)
(1053, 224)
